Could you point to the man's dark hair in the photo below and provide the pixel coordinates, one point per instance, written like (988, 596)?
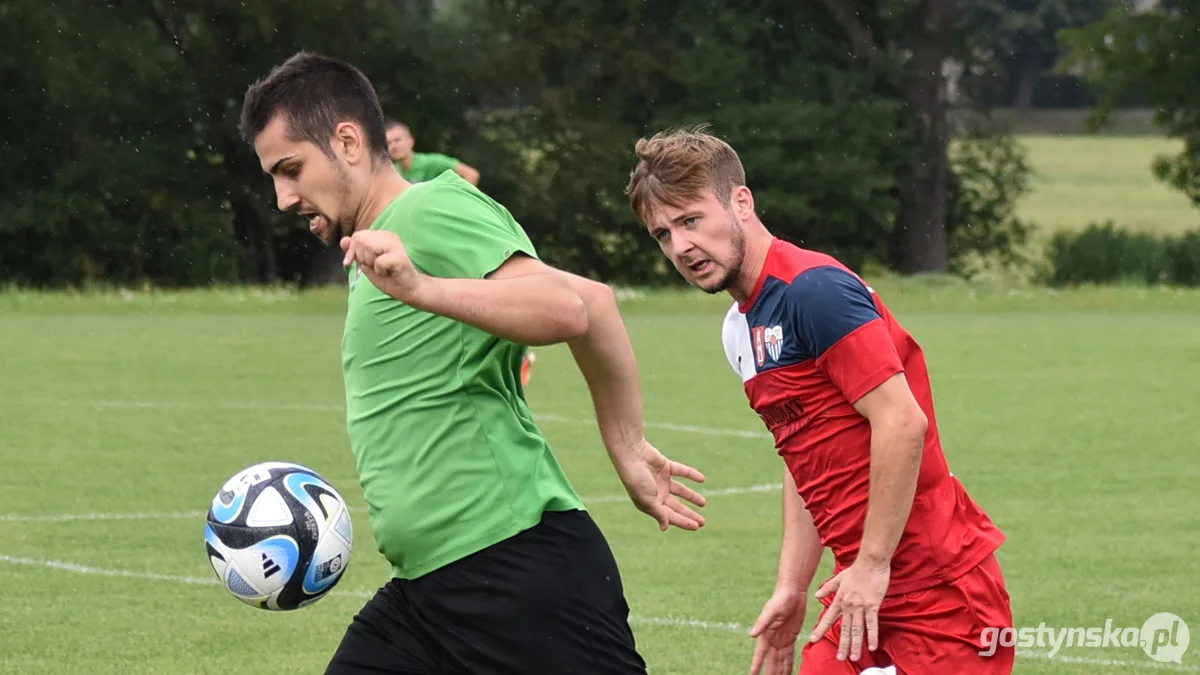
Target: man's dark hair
(314, 93)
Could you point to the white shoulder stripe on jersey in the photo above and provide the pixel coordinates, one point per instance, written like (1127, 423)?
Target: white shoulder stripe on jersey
(735, 337)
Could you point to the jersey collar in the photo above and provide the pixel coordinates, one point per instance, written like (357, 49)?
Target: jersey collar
(744, 307)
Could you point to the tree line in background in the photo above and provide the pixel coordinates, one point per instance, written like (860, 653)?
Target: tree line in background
(123, 163)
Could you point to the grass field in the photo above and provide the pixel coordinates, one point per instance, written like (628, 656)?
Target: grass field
(1089, 179)
(1067, 415)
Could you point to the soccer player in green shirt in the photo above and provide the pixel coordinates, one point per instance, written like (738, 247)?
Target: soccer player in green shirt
(418, 167)
(496, 565)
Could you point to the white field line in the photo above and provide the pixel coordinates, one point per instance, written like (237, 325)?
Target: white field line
(669, 621)
(1108, 663)
(362, 593)
(325, 407)
(186, 515)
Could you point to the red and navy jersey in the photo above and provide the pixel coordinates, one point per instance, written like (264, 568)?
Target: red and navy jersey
(809, 342)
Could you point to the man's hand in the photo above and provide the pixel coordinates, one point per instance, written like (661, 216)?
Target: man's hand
(776, 630)
(860, 589)
(382, 257)
(649, 478)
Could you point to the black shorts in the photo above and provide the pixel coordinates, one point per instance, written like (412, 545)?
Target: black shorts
(548, 601)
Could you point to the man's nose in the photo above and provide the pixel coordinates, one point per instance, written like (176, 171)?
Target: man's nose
(285, 197)
(683, 242)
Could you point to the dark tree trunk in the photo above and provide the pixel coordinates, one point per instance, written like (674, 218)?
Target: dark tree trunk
(923, 246)
(1028, 68)
(920, 238)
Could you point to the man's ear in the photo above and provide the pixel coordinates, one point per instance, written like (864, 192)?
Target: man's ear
(349, 139)
(742, 201)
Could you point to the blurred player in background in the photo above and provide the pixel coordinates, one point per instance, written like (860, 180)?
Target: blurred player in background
(844, 390)
(418, 167)
(496, 565)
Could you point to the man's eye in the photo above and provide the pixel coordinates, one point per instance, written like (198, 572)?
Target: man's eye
(692, 220)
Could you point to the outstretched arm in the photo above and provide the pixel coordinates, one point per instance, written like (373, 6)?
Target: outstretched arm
(606, 359)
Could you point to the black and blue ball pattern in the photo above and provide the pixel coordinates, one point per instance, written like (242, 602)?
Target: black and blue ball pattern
(278, 536)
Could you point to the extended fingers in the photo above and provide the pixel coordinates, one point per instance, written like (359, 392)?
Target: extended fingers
(872, 630)
(681, 470)
(684, 492)
(827, 621)
(851, 642)
(783, 661)
(756, 664)
(683, 517)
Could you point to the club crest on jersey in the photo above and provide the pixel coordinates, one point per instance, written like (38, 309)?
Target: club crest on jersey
(767, 340)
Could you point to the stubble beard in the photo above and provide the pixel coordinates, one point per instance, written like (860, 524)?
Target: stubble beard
(734, 269)
(343, 224)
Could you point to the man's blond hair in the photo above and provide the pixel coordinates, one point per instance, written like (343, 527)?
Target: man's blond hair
(675, 166)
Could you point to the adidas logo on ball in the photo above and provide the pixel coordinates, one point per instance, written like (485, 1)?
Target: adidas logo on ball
(285, 520)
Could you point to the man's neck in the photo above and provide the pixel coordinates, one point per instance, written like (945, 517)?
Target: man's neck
(407, 162)
(758, 245)
(386, 186)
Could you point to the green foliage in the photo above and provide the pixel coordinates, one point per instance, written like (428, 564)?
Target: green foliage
(991, 173)
(129, 166)
(1103, 253)
(822, 143)
(1154, 54)
(133, 167)
(1009, 30)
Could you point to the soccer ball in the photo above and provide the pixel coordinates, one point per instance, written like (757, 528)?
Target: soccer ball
(278, 536)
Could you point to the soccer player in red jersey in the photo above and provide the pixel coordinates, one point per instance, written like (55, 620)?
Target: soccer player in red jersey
(844, 389)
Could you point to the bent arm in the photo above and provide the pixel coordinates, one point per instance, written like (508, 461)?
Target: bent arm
(523, 301)
(606, 359)
(468, 173)
(837, 318)
(898, 427)
(800, 553)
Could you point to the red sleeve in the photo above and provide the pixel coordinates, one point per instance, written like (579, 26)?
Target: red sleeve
(862, 360)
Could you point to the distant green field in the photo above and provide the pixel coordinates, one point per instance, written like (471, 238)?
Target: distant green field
(1068, 415)
(1089, 179)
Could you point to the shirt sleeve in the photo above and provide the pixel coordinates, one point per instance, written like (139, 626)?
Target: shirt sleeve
(453, 232)
(835, 318)
(441, 163)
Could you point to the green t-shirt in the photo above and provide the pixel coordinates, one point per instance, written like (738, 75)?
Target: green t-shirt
(449, 457)
(427, 166)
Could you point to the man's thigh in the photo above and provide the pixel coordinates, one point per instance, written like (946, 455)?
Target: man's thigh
(549, 601)
(820, 657)
(945, 626)
(383, 639)
(937, 630)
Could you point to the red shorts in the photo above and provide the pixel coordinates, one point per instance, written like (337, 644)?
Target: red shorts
(931, 631)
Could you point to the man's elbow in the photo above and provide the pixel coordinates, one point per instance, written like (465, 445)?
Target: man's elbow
(905, 423)
(562, 317)
(596, 300)
(572, 320)
(914, 424)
